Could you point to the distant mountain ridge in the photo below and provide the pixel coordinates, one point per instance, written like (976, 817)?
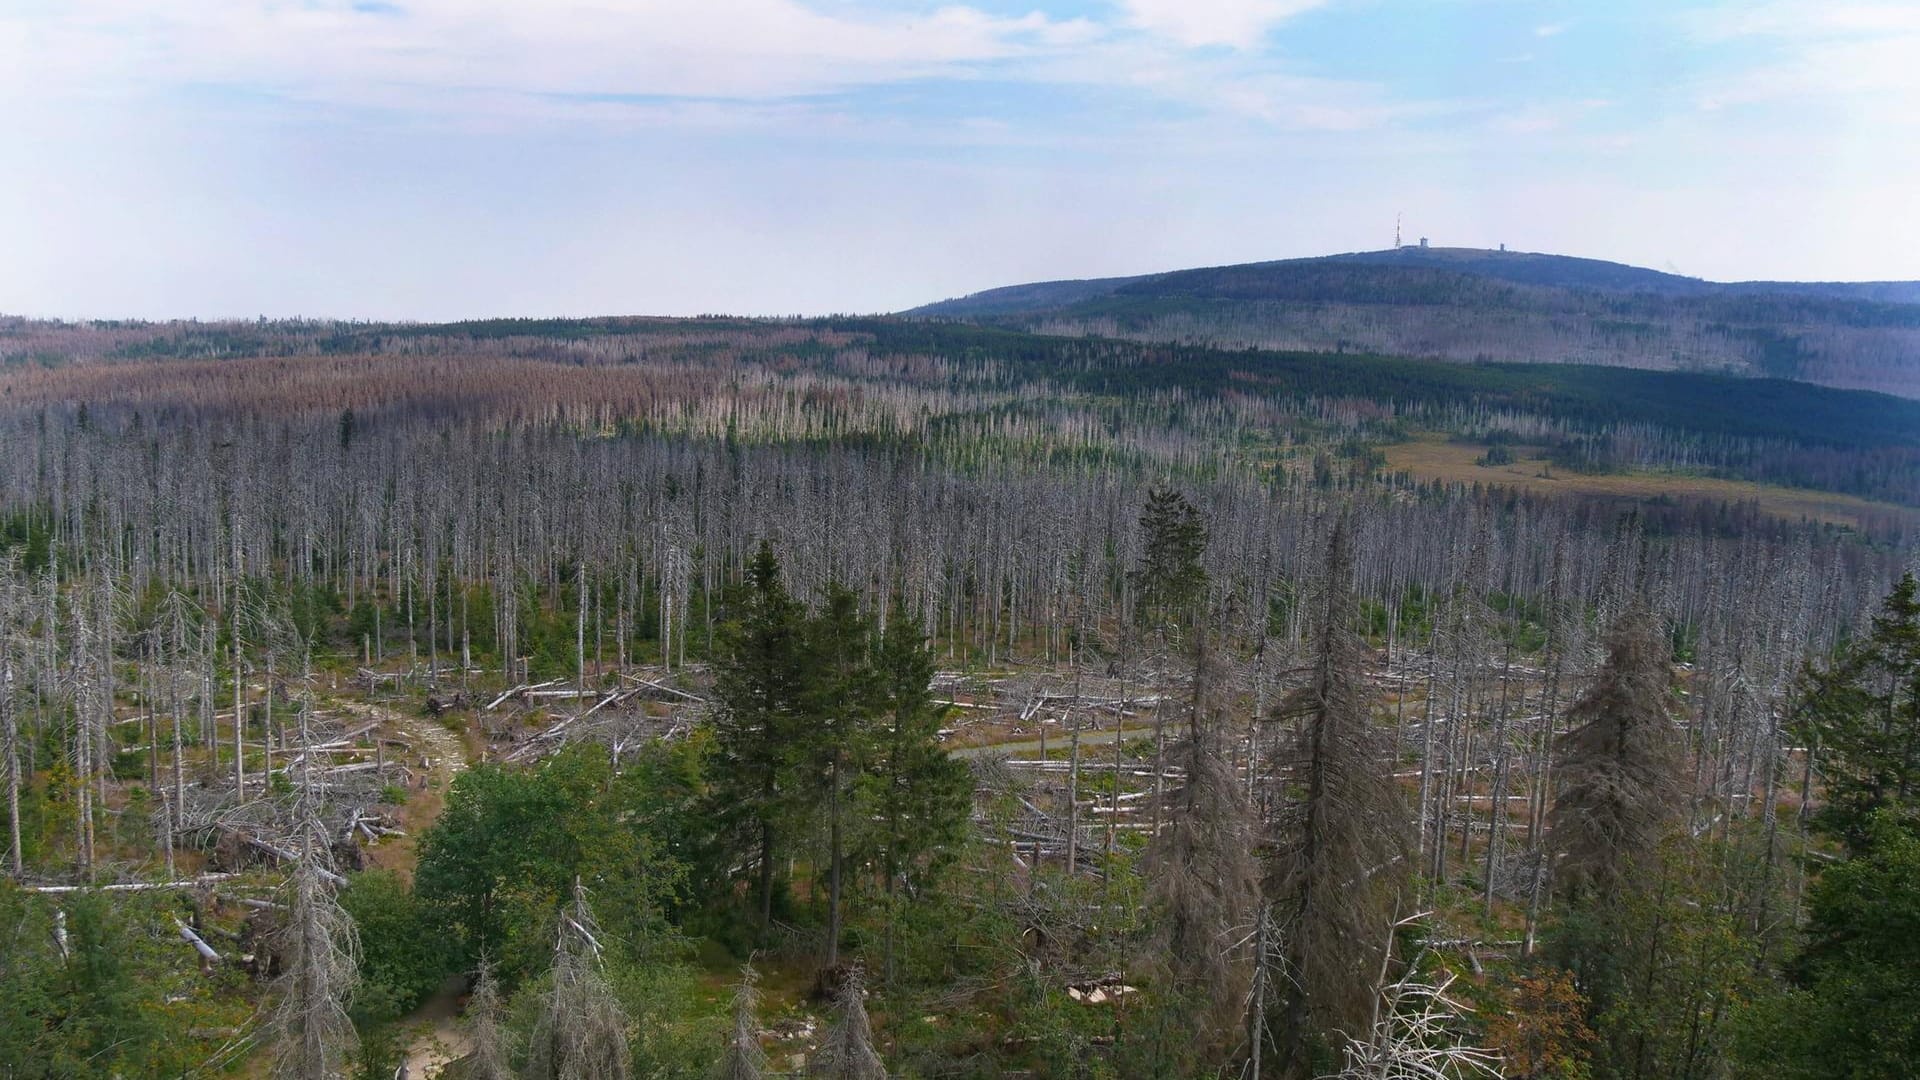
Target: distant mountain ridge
(1515, 267)
(1473, 305)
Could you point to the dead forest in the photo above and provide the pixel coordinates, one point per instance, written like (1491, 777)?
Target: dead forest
(760, 699)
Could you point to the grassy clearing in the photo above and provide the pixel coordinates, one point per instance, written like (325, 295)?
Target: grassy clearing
(1432, 457)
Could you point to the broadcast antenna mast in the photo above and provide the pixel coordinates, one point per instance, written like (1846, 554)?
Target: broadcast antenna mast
(1396, 231)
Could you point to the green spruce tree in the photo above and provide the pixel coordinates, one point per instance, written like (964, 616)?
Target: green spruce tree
(1170, 581)
(920, 795)
(1862, 721)
(758, 686)
(839, 703)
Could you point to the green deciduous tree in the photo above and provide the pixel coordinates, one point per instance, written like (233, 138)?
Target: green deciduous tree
(399, 951)
(402, 960)
(505, 852)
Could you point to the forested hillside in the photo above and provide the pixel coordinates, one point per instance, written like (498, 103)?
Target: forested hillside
(871, 697)
(948, 385)
(1468, 305)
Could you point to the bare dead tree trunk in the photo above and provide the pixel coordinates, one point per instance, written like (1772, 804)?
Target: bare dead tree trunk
(846, 1052)
(492, 1052)
(85, 691)
(152, 714)
(1073, 790)
(665, 575)
(1113, 802)
(1257, 999)
(1497, 797)
(582, 1030)
(166, 816)
(1159, 766)
(209, 734)
(10, 722)
(176, 701)
(743, 1059)
(103, 738)
(313, 1034)
(413, 644)
(266, 723)
(1426, 749)
(433, 630)
(466, 642)
(239, 681)
(1763, 903)
(580, 636)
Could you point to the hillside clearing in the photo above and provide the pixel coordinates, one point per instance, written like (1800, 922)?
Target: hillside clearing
(1434, 458)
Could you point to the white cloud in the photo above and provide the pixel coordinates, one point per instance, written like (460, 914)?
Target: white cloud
(725, 64)
(742, 49)
(1867, 54)
(1804, 19)
(1232, 86)
(1239, 24)
(717, 64)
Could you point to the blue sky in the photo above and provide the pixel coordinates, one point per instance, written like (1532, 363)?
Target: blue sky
(446, 158)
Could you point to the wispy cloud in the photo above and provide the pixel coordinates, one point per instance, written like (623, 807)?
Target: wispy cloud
(732, 59)
(538, 155)
(744, 49)
(1239, 24)
(1813, 51)
(1801, 19)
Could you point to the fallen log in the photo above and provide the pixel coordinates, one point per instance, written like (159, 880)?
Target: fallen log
(521, 689)
(287, 856)
(665, 689)
(199, 943)
(132, 886)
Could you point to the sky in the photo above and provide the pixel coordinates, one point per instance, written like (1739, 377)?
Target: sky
(440, 159)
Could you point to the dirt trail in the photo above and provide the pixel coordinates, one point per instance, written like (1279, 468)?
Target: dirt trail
(426, 740)
(433, 1032)
(435, 1036)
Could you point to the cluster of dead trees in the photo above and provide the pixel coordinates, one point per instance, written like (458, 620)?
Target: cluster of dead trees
(174, 594)
(1285, 880)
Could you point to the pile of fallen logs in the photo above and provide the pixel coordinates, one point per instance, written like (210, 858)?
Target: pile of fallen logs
(636, 709)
